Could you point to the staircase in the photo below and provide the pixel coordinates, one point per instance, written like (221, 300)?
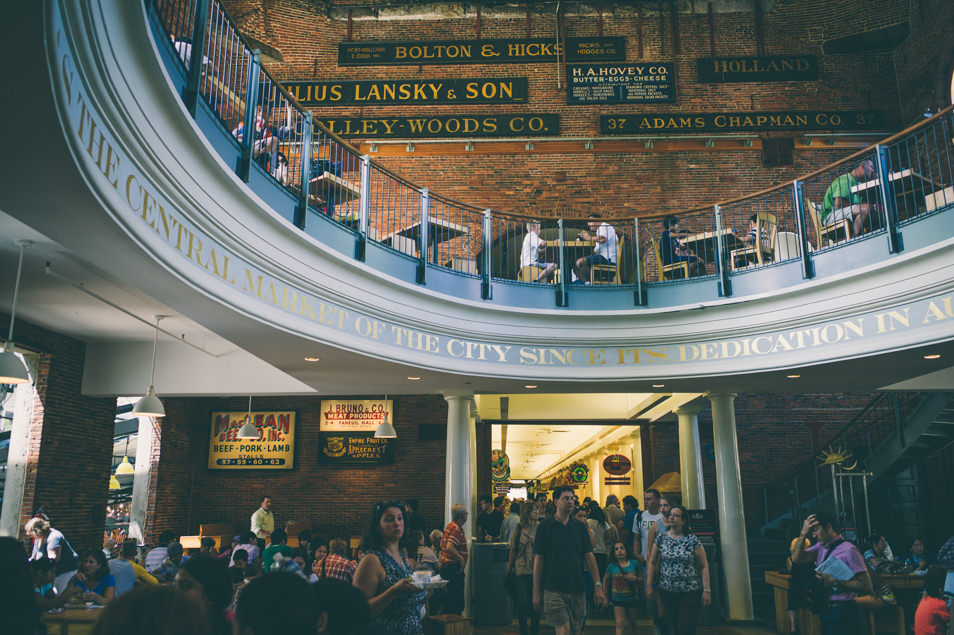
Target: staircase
(765, 554)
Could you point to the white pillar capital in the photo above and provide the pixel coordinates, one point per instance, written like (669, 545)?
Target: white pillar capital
(689, 409)
(721, 396)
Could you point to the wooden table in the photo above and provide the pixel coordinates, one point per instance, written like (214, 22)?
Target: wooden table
(908, 174)
(438, 231)
(73, 621)
(703, 243)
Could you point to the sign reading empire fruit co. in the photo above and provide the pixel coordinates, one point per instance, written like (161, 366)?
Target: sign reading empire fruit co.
(739, 121)
(776, 68)
(620, 83)
(273, 450)
(346, 432)
(524, 125)
(495, 90)
(497, 51)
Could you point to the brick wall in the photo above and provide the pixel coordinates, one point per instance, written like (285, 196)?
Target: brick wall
(925, 62)
(71, 439)
(335, 499)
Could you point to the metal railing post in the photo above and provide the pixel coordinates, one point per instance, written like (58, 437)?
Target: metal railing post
(561, 299)
(485, 289)
(895, 240)
(364, 209)
(190, 95)
(898, 419)
(808, 265)
(422, 247)
(248, 127)
(638, 300)
(725, 285)
(301, 212)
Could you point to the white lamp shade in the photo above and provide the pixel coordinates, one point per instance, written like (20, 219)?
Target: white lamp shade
(12, 369)
(248, 429)
(125, 468)
(149, 406)
(385, 431)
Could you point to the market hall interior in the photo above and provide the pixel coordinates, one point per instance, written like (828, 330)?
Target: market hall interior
(138, 204)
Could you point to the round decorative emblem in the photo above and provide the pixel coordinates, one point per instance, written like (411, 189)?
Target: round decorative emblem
(579, 473)
(617, 465)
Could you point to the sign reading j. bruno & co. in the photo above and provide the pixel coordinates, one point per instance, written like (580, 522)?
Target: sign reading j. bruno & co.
(523, 125)
(346, 432)
(774, 68)
(497, 51)
(620, 83)
(491, 90)
(273, 450)
(739, 121)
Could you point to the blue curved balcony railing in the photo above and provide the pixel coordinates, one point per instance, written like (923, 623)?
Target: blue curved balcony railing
(324, 187)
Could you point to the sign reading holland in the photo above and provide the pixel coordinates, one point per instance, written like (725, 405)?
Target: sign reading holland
(497, 51)
(775, 68)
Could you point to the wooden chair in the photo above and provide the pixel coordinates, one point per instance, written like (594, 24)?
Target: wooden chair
(830, 233)
(762, 250)
(608, 274)
(529, 273)
(668, 271)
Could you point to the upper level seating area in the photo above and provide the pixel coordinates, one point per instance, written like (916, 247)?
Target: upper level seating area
(856, 209)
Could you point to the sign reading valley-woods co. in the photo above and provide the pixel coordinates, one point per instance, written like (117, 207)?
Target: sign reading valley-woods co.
(499, 51)
(273, 450)
(522, 125)
(620, 83)
(491, 90)
(346, 432)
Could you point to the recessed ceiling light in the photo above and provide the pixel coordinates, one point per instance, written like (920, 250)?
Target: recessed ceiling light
(413, 378)
(311, 359)
(530, 386)
(793, 376)
(658, 385)
(932, 356)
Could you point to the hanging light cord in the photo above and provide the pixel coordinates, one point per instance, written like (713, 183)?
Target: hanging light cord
(155, 344)
(16, 291)
(248, 417)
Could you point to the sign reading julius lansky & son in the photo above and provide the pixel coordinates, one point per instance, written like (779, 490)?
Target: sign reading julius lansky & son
(620, 83)
(497, 51)
(497, 90)
(741, 121)
(346, 432)
(444, 126)
(775, 68)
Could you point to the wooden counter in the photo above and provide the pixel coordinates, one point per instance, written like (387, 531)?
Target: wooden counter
(72, 621)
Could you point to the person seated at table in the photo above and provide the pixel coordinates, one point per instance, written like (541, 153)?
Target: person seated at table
(157, 610)
(275, 603)
(267, 135)
(532, 251)
(342, 608)
(604, 251)
(46, 597)
(750, 237)
(157, 554)
(672, 250)
(879, 554)
(95, 579)
(207, 580)
(167, 570)
(242, 569)
(128, 553)
(280, 172)
(916, 559)
(841, 203)
(279, 537)
(207, 547)
(933, 615)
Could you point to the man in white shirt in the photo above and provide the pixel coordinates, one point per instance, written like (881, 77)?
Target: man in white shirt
(263, 521)
(604, 251)
(532, 251)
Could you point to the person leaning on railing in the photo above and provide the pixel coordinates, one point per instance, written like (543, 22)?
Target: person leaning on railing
(841, 203)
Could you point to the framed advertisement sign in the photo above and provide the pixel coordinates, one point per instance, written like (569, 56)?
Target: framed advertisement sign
(273, 450)
(346, 432)
(621, 83)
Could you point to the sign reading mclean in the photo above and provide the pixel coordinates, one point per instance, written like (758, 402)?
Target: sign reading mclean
(497, 51)
(620, 83)
(495, 90)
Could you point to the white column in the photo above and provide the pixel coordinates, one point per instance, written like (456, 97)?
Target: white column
(595, 478)
(17, 455)
(732, 539)
(690, 458)
(140, 493)
(637, 441)
(460, 480)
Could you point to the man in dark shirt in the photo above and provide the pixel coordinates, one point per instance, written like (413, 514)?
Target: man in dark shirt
(491, 518)
(561, 548)
(673, 250)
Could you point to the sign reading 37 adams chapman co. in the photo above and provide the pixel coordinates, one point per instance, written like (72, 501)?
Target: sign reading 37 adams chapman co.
(493, 90)
(741, 121)
(496, 51)
(273, 450)
(775, 68)
(444, 126)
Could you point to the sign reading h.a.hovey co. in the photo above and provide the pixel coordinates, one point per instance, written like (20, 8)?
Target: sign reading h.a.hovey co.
(497, 51)
(642, 82)
(774, 68)
(449, 126)
(273, 450)
(392, 92)
(346, 432)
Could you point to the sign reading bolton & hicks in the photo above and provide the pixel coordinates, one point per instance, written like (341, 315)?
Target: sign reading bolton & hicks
(506, 90)
(620, 83)
(497, 51)
(739, 121)
(776, 68)
(346, 432)
(273, 450)
(522, 125)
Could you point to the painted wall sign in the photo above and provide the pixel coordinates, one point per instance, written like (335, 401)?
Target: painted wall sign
(354, 449)
(491, 90)
(617, 465)
(496, 51)
(703, 522)
(523, 125)
(643, 82)
(740, 121)
(772, 68)
(273, 450)
(356, 415)
(346, 432)
(499, 466)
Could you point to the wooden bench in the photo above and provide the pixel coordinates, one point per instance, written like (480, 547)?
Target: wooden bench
(447, 625)
(222, 533)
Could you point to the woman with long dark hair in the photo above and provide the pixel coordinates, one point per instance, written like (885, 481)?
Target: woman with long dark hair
(520, 565)
(94, 577)
(678, 566)
(384, 573)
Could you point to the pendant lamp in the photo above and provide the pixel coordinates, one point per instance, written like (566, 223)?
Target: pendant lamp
(114, 482)
(12, 369)
(385, 430)
(150, 406)
(248, 429)
(125, 468)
